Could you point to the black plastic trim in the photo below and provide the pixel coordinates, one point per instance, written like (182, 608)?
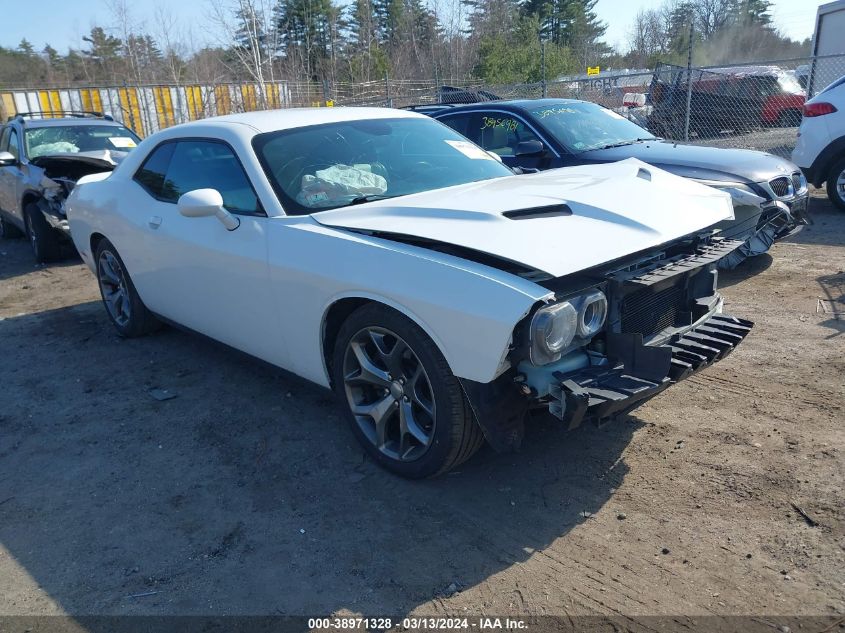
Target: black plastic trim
(640, 371)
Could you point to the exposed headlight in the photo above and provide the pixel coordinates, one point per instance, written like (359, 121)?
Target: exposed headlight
(723, 184)
(591, 314)
(555, 327)
(552, 329)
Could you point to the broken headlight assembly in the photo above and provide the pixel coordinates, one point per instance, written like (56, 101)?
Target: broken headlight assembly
(558, 327)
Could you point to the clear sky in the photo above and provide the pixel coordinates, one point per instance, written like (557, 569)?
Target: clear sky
(61, 23)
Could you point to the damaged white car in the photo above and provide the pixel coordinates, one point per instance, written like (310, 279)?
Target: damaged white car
(40, 161)
(379, 253)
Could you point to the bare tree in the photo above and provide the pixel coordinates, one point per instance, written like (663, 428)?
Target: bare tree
(248, 24)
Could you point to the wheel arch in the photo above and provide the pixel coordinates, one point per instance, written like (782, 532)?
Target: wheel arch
(94, 241)
(30, 196)
(834, 151)
(339, 309)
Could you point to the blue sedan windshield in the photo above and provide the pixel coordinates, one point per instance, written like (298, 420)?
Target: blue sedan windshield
(580, 127)
(334, 165)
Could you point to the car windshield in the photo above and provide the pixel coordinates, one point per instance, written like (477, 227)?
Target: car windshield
(580, 127)
(71, 139)
(340, 164)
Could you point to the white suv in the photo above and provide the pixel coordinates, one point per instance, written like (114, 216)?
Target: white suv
(820, 151)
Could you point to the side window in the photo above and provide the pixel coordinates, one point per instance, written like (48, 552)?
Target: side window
(152, 173)
(13, 143)
(4, 140)
(500, 133)
(207, 164)
(461, 123)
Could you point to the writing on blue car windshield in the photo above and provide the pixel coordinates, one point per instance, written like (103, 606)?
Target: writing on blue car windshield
(348, 163)
(581, 127)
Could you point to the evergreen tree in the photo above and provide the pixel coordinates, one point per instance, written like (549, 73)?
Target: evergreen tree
(104, 48)
(753, 12)
(26, 48)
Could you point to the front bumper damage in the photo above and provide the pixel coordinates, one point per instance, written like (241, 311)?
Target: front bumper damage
(664, 323)
(777, 221)
(602, 392)
(53, 212)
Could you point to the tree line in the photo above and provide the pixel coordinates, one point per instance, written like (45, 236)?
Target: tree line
(323, 41)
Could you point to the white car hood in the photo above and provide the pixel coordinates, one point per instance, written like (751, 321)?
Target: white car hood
(617, 209)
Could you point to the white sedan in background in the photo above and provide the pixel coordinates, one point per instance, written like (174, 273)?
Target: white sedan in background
(379, 253)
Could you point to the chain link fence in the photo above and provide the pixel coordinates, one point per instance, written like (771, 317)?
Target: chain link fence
(754, 106)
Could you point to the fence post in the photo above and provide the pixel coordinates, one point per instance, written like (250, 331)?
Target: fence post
(543, 66)
(689, 84)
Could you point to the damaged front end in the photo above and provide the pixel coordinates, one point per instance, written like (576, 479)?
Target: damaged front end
(758, 224)
(60, 175)
(612, 338)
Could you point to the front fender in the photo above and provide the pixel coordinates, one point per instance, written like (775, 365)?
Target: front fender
(468, 309)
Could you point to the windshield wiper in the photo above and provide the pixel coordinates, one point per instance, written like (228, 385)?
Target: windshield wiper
(369, 198)
(619, 144)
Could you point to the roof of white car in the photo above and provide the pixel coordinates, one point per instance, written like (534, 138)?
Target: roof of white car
(288, 118)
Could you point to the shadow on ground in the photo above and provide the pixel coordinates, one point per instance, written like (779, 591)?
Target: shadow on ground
(827, 227)
(246, 493)
(832, 302)
(16, 258)
(748, 268)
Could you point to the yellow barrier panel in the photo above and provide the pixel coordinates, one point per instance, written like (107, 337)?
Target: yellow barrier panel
(9, 108)
(55, 101)
(44, 102)
(164, 107)
(248, 94)
(194, 97)
(223, 99)
(132, 113)
(273, 97)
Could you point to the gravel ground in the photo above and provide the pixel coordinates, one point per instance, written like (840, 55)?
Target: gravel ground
(246, 494)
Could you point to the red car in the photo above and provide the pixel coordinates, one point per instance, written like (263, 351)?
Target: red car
(780, 95)
(740, 98)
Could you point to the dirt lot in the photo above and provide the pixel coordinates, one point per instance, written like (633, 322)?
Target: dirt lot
(246, 494)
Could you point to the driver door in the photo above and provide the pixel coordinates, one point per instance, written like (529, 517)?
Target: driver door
(200, 274)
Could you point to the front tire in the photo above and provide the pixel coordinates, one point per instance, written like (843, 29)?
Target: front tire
(836, 184)
(42, 238)
(127, 312)
(402, 401)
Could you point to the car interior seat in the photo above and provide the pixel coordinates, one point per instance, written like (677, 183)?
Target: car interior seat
(495, 139)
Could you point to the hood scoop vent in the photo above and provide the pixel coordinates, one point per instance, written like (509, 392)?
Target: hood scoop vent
(550, 211)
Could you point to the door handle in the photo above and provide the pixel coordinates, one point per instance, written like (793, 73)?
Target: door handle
(155, 222)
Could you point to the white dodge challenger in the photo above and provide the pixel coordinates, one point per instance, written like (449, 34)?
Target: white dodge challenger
(441, 296)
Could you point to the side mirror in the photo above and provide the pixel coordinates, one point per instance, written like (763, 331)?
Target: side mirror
(7, 159)
(529, 148)
(203, 203)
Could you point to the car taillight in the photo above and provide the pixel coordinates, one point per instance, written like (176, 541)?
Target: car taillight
(818, 109)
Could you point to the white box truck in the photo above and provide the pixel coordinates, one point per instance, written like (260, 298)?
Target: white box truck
(828, 47)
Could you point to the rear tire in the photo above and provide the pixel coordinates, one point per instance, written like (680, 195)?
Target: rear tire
(410, 412)
(127, 312)
(42, 238)
(836, 184)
